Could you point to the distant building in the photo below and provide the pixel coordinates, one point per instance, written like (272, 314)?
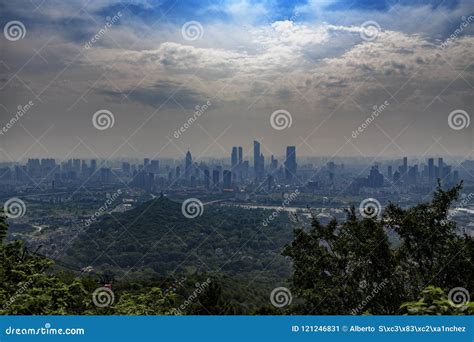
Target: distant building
(215, 179)
(227, 180)
(290, 164)
(188, 165)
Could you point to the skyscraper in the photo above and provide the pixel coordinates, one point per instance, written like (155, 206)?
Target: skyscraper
(258, 161)
(234, 158)
(256, 156)
(207, 179)
(241, 155)
(227, 180)
(188, 165)
(431, 171)
(290, 164)
(215, 179)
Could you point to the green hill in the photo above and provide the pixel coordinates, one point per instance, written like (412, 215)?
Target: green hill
(157, 238)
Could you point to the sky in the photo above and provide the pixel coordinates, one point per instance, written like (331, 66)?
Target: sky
(109, 79)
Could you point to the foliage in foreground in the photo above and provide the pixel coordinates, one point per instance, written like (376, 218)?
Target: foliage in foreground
(350, 268)
(339, 268)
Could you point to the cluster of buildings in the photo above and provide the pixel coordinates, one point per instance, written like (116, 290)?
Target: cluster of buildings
(234, 175)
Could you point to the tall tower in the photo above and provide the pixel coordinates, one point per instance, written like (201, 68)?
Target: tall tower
(188, 165)
(290, 163)
(431, 172)
(256, 156)
(258, 161)
(234, 158)
(241, 155)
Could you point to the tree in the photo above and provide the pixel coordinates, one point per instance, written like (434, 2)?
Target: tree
(434, 301)
(26, 288)
(152, 302)
(352, 268)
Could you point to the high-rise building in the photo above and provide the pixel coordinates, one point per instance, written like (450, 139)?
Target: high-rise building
(256, 156)
(390, 172)
(227, 180)
(215, 179)
(431, 170)
(105, 175)
(188, 165)
(290, 164)
(155, 166)
(207, 179)
(375, 179)
(258, 161)
(126, 168)
(241, 155)
(270, 183)
(234, 158)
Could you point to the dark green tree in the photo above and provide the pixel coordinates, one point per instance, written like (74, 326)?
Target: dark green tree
(350, 267)
(27, 288)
